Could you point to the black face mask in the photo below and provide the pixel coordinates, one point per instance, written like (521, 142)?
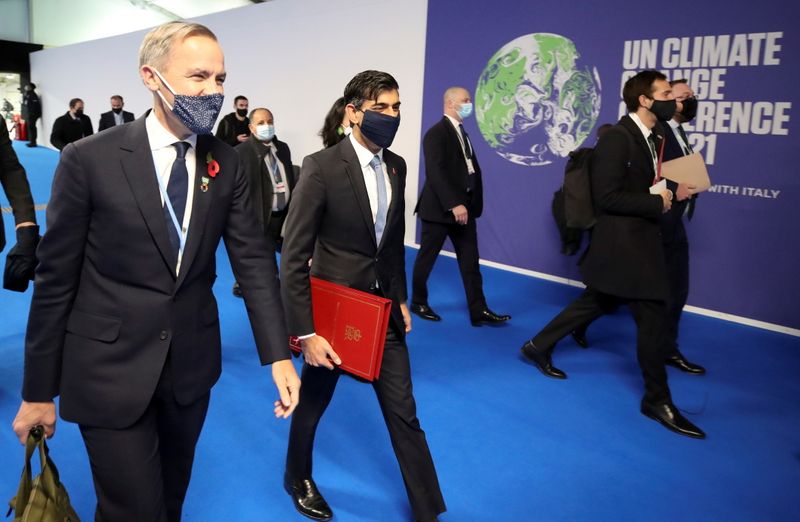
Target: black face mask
(116, 111)
(664, 110)
(79, 113)
(241, 112)
(379, 128)
(689, 108)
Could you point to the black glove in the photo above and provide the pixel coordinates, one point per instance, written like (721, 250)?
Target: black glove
(21, 260)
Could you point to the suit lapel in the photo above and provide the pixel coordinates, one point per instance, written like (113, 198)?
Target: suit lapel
(139, 170)
(644, 147)
(356, 175)
(201, 203)
(394, 180)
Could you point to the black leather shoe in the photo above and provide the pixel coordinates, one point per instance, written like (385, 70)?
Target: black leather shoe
(541, 360)
(488, 317)
(425, 312)
(308, 501)
(237, 290)
(672, 419)
(679, 361)
(579, 336)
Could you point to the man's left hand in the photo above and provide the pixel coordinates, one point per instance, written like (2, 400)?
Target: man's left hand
(241, 138)
(288, 384)
(685, 191)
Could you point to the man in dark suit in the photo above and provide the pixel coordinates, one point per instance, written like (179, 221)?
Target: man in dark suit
(268, 164)
(123, 322)
(31, 112)
(116, 116)
(673, 232)
(625, 259)
(449, 205)
(72, 126)
(348, 212)
(21, 260)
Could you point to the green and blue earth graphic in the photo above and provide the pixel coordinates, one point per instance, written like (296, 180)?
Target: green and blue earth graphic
(533, 103)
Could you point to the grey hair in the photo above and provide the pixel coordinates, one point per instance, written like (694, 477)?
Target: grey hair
(158, 42)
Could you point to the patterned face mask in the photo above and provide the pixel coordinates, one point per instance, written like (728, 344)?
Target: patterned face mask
(197, 113)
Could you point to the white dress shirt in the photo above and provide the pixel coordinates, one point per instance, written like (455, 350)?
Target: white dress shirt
(685, 147)
(646, 133)
(118, 118)
(456, 123)
(364, 157)
(164, 154)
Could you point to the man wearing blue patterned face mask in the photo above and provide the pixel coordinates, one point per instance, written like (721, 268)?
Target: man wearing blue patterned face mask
(123, 323)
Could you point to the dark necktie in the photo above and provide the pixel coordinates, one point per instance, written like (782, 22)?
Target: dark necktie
(687, 149)
(465, 139)
(176, 191)
(272, 162)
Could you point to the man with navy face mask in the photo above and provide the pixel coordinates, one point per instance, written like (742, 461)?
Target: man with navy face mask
(123, 323)
(348, 212)
(449, 205)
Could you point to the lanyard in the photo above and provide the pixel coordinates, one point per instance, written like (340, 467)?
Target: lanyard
(168, 203)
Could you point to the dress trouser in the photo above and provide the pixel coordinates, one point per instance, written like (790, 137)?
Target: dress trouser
(677, 260)
(141, 472)
(465, 243)
(32, 132)
(395, 396)
(650, 334)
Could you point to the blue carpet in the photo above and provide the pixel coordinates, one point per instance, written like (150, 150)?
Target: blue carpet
(509, 444)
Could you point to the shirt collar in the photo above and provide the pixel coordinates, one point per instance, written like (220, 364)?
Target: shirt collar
(364, 154)
(642, 127)
(674, 124)
(454, 121)
(160, 137)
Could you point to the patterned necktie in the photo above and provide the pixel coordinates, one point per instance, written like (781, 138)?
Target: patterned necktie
(465, 139)
(176, 191)
(380, 218)
(687, 148)
(272, 162)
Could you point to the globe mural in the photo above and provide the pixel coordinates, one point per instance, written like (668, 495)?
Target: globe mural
(533, 104)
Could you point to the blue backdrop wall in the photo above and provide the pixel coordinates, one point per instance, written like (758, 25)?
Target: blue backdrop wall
(544, 77)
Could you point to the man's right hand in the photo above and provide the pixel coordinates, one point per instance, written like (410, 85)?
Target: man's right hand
(317, 350)
(461, 215)
(241, 138)
(666, 197)
(33, 414)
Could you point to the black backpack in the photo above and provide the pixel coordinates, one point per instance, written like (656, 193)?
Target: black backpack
(572, 203)
(578, 207)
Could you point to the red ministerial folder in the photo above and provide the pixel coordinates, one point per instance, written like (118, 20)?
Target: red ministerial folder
(355, 324)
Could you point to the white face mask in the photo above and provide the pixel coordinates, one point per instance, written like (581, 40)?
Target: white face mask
(265, 132)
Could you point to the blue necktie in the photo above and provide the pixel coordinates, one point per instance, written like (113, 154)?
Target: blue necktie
(176, 190)
(380, 218)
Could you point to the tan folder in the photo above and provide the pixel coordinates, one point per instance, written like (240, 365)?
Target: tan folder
(690, 170)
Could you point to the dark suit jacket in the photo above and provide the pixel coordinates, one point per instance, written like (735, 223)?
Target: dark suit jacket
(15, 185)
(672, 228)
(447, 177)
(66, 130)
(625, 257)
(251, 153)
(107, 306)
(107, 119)
(330, 219)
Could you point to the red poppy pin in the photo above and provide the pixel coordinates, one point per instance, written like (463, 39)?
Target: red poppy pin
(212, 171)
(394, 171)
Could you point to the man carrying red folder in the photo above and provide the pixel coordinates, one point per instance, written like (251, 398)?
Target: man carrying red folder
(348, 213)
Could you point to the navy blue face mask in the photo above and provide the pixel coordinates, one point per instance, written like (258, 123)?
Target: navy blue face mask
(197, 113)
(379, 128)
